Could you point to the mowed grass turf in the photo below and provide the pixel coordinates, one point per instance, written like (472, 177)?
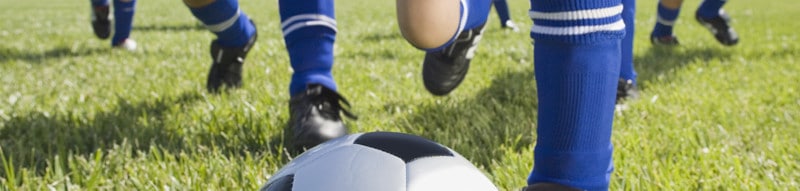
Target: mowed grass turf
(77, 115)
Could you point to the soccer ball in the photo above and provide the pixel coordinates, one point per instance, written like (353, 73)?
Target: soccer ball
(379, 161)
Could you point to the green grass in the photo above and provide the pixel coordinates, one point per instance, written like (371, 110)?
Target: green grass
(75, 114)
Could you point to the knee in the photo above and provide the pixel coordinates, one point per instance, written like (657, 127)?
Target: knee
(672, 4)
(197, 3)
(428, 24)
(427, 34)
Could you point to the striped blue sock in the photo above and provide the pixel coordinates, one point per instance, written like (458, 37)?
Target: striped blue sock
(227, 21)
(627, 71)
(123, 20)
(309, 30)
(710, 8)
(577, 64)
(666, 19)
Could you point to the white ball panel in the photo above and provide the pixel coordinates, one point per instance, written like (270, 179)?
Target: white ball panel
(314, 154)
(446, 173)
(352, 168)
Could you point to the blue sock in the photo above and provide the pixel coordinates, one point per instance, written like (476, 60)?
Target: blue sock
(99, 3)
(309, 30)
(627, 71)
(577, 63)
(227, 21)
(474, 16)
(710, 8)
(123, 20)
(501, 6)
(665, 21)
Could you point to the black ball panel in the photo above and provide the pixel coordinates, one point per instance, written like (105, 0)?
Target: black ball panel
(404, 146)
(281, 184)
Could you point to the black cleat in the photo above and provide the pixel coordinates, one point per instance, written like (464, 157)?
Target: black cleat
(101, 21)
(548, 187)
(315, 117)
(719, 27)
(227, 65)
(444, 70)
(664, 40)
(626, 90)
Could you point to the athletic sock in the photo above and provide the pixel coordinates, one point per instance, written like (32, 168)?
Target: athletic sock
(309, 30)
(710, 8)
(227, 21)
(123, 20)
(665, 21)
(99, 3)
(627, 71)
(501, 6)
(577, 64)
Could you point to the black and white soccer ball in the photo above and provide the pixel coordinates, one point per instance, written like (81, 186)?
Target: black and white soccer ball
(379, 161)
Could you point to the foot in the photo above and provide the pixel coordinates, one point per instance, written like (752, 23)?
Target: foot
(443, 71)
(669, 40)
(626, 90)
(720, 28)
(315, 117)
(101, 21)
(548, 187)
(127, 44)
(226, 69)
(510, 25)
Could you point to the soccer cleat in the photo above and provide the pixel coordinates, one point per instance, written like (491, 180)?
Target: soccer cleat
(664, 40)
(626, 90)
(510, 25)
(226, 69)
(127, 44)
(720, 28)
(443, 71)
(101, 21)
(548, 187)
(315, 116)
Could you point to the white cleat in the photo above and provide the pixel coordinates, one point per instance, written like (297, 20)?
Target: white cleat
(127, 44)
(511, 25)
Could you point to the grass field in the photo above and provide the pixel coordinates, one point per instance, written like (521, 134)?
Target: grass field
(76, 115)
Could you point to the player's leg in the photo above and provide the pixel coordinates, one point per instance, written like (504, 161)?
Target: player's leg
(123, 23)
(235, 33)
(626, 88)
(577, 63)
(448, 30)
(101, 20)
(711, 15)
(667, 14)
(501, 7)
(309, 30)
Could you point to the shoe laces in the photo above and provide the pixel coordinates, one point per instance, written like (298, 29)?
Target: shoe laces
(467, 39)
(328, 101)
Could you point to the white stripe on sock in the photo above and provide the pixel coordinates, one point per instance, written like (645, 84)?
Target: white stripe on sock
(298, 25)
(219, 27)
(578, 15)
(665, 21)
(578, 30)
(296, 18)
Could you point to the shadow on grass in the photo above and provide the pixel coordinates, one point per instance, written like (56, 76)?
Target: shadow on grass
(186, 27)
(659, 61)
(382, 36)
(33, 141)
(7, 54)
(502, 115)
